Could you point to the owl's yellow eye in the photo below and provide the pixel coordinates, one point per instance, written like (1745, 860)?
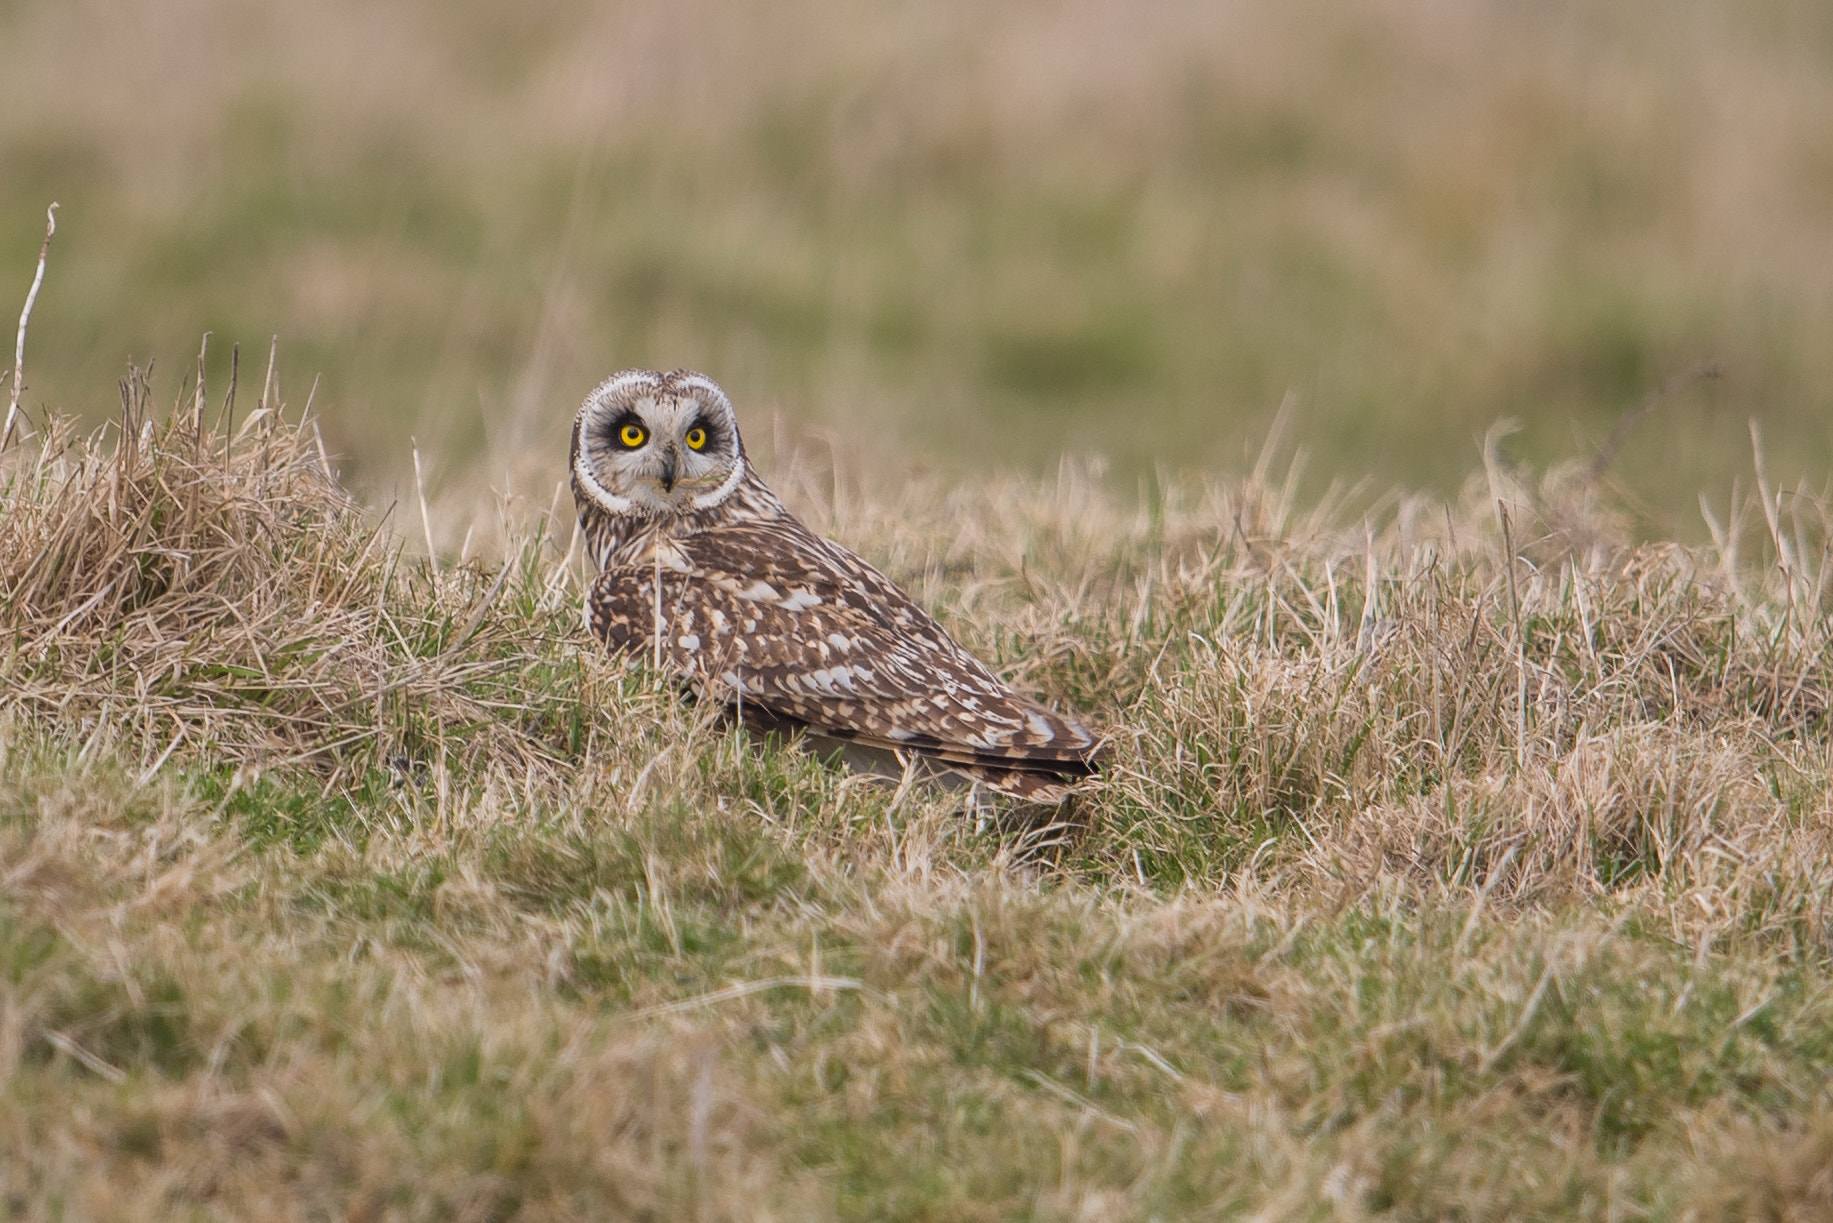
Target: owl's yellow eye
(633, 435)
(696, 438)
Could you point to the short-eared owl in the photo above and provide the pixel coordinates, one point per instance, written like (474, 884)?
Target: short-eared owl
(705, 572)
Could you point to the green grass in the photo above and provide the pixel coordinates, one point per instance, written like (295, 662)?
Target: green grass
(1430, 878)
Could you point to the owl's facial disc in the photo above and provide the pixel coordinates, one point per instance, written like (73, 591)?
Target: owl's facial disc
(660, 444)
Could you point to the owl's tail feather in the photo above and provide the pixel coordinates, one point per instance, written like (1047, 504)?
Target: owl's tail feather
(1040, 780)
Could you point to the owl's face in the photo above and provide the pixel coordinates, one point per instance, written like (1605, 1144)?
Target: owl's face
(656, 444)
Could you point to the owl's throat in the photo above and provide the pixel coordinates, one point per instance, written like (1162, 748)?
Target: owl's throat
(630, 538)
(625, 533)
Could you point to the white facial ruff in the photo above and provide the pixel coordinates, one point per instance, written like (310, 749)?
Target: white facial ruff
(707, 501)
(582, 466)
(582, 469)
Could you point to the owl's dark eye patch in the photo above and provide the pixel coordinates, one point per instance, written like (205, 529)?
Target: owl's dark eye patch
(627, 432)
(704, 434)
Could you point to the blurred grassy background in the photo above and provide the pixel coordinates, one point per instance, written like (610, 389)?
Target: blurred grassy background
(952, 233)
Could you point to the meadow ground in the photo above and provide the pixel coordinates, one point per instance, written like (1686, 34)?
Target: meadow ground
(1459, 859)
(1464, 854)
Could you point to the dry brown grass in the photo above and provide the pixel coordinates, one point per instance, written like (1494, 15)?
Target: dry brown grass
(1436, 877)
(166, 581)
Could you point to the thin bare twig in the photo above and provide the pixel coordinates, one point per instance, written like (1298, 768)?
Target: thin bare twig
(744, 989)
(658, 619)
(228, 412)
(25, 316)
(426, 519)
(83, 1057)
(268, 390)
(198, 394)
(1619, 432)
(1514, 603)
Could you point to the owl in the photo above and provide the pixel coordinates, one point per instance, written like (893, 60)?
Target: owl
(704, 574)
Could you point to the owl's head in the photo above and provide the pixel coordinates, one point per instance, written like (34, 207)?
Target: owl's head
(656, 444)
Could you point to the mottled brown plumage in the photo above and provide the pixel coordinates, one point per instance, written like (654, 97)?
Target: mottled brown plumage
(757, 611)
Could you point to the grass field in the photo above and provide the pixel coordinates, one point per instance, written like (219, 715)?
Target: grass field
(1464, 860)
(1465, 849)
(977, 235)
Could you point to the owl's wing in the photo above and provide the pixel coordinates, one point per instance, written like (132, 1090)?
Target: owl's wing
(808, 631)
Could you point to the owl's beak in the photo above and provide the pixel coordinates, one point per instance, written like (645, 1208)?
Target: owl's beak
(668, 471)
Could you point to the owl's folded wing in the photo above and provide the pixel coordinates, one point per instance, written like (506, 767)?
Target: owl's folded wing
(806, 630)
